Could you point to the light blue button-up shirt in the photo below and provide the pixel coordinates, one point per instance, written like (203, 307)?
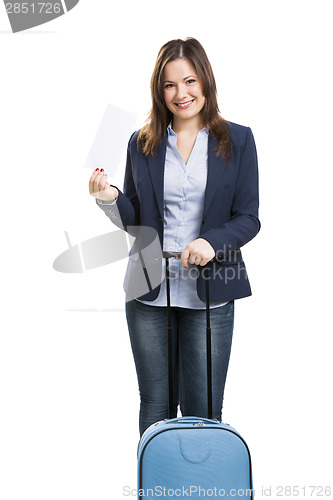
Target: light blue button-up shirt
(184, 192)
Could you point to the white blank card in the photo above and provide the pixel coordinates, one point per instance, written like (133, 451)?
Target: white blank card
(111, 139)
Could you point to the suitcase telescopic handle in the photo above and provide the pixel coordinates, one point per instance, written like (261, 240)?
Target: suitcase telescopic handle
(167, 255)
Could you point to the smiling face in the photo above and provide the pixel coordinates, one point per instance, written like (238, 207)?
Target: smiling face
(182, 92)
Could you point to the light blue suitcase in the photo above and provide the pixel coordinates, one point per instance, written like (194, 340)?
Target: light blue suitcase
(190, 457)
(193, 457)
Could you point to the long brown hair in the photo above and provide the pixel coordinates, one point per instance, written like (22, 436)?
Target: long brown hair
(160, 116)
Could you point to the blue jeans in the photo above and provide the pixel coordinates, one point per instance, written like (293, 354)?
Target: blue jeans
(147, 327)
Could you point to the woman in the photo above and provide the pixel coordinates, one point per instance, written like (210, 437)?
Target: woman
(192, 177)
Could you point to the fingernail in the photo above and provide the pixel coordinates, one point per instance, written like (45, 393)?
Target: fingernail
(96, 169)
(102, 169)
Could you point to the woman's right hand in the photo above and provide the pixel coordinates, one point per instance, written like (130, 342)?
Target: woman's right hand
(100, 188)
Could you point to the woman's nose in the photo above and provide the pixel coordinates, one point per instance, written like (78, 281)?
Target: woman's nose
(181, 91)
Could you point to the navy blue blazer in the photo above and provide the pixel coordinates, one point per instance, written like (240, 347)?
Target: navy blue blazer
(230, 212)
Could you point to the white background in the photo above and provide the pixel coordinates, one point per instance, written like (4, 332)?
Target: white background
(69, 397)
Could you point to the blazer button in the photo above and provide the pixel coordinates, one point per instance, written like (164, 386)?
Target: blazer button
(204, 220)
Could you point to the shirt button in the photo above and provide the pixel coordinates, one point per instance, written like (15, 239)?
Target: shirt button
(184, 198)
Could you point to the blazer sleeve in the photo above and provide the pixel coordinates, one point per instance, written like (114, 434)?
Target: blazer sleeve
(244, 223)
(126, 211)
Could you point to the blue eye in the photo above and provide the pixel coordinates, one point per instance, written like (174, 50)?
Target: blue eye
(168, 85)
(190, 81)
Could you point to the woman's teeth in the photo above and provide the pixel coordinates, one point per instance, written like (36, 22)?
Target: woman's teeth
(185, 104)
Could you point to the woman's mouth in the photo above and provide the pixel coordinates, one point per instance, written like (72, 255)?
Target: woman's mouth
(184, 105)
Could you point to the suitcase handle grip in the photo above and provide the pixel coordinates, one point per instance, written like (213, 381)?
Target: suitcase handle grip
(191, 420)
(170, 255)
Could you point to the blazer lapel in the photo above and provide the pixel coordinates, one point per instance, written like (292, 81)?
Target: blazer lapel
(216, 169)
(156, 168)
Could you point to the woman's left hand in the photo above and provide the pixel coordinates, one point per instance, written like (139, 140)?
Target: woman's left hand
(197, 252)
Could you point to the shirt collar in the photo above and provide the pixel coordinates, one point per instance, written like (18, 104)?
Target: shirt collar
(171, 132)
